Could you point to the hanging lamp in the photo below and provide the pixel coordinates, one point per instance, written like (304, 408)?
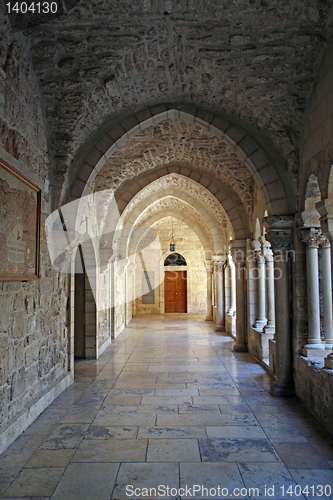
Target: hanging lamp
(172, 242)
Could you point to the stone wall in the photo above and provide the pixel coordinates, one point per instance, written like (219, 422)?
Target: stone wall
(189, 246)
(33, 314)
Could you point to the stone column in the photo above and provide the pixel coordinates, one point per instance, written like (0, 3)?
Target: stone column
(311, 237)
(261, 318)
(209, 269)
(220, 320)
(327, 291)
(238, 250)
(268, 254)
(325, 209)
(280, 236)
(232, 308)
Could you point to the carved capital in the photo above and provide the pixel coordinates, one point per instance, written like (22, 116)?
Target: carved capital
(220, 265)
(324, 241)
(279, 231)
(311, 237)
(260, 258)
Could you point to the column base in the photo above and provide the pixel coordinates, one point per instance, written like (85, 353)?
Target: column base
(240, 348)
(314, 351)
(260, 325)
(280, 390)
(269, 329)
(219, 328)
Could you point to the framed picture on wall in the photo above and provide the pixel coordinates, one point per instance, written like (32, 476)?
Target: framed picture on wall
(20, 209)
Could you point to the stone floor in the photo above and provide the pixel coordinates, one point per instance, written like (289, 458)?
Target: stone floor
(169, 404)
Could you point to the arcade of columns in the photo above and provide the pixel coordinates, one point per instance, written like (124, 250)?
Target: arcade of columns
(268, 261)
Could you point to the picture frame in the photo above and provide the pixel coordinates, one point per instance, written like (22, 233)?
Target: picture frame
(20, 223)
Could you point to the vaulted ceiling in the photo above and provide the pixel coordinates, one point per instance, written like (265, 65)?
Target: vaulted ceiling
(253, 60)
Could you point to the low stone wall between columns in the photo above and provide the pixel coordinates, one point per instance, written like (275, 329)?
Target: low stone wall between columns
(230, 325)
(258, 345)
(28, 416)
(313, 385)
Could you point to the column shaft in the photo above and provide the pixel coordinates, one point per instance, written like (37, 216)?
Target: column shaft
(327, 293)
(312, 274)
(261, 320)
(270, 327)
(209, 316)
(220, 297)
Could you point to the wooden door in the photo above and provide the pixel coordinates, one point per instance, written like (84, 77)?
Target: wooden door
(175, 291)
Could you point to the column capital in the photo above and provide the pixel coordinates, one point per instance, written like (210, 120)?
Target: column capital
(311, 237)
(279, 231)
(238, 250)
(325, 242)
(209, 266)
(220, 264)
(266, 249)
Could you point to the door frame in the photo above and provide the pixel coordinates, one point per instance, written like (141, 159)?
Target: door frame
(177, 269)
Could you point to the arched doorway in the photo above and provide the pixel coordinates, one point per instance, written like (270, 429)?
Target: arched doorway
(175, 284)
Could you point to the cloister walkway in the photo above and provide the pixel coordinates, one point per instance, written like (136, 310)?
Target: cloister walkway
(169, 404)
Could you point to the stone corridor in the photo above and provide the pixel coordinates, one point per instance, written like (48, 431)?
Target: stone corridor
(169, 403)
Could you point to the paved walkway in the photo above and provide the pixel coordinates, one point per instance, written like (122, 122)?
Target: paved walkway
(170, 405)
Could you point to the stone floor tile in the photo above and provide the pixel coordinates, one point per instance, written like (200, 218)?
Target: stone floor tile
(111, 450)
(107, 418)
(191, 408)
(220, 391)
(87, 482)
(176, 392)
(280, 421)
(131, 392)
(80, 414)
(146, 475)
(203, 400)
(165, 400)
(285, 434)
(4, 483)
(34, 482)
(208, 476)
(50, 458)
(267, 409)
(173, 450)
(64, 436)
(142, 408)
(109, 432)
(122, 400)
(266, 480)
(172, 432)
(316, 478)
(235, 431)
(300, 456)
(205, 419)
(238, 409)
(237, 450)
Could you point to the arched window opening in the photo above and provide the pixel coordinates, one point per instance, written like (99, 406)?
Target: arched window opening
(175, 259)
